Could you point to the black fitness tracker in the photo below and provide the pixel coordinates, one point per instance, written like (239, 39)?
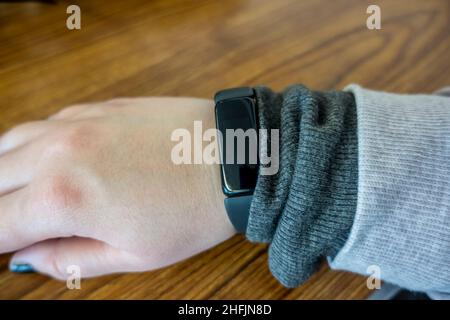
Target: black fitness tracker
(236, 109)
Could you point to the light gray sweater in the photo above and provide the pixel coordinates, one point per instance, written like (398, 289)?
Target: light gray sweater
(364, 181)
(402, 221)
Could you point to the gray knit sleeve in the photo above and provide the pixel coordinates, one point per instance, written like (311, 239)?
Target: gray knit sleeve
(402, 221)
(306, 210)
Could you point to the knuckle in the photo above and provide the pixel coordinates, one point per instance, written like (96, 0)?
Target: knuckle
(71, 110)
(72, 140)
(59, 194)
(94, 112)
(78, 137)
(118, 101)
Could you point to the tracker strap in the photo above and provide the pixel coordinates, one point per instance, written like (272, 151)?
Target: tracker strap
(238, 209)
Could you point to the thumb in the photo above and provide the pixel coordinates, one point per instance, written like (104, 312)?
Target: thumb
(54, 257)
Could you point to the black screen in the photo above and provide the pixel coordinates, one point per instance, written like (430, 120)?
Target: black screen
(237, 114)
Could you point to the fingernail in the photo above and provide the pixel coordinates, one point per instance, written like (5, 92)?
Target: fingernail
(21, 268)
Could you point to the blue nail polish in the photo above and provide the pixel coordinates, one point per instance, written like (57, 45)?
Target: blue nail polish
(21, 268)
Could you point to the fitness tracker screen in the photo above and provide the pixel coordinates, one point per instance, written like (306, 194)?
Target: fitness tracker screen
(234, 114)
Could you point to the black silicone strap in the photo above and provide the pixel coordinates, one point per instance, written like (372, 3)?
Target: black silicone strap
(238, 209)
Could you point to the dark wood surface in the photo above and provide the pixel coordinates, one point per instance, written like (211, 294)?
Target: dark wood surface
(193, 48)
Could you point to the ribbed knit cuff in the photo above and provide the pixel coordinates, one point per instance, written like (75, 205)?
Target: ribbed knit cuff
(402, 222)
(306, 210)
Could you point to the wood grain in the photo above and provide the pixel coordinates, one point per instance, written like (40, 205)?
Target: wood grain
(193, 48)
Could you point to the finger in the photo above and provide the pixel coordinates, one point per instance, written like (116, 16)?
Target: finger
(18, 167)
(21, 226)
(69, 112)
(24, 133)
(88, 113)
(61, 258)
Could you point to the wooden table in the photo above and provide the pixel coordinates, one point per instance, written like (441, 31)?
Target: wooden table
(193, 48)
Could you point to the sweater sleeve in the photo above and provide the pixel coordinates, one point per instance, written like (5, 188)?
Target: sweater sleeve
(402, 221)
(306, 210)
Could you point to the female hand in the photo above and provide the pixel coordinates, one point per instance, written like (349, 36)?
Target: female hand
(95, 186)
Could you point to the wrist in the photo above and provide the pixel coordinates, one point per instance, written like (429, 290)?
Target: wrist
(216, 218)
(219, 197)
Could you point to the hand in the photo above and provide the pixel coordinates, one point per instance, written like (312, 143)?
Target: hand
(94, 186)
